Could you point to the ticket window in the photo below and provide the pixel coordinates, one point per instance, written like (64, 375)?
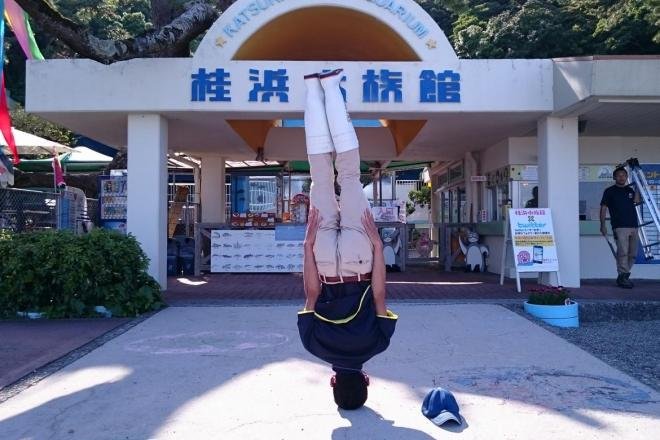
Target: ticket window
(498, 201)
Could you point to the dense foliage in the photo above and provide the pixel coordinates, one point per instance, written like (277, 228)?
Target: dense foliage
(554, 28)
(64, 275)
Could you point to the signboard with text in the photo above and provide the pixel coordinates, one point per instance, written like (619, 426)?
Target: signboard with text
(259, 250)
(533, 238)
(377, 85)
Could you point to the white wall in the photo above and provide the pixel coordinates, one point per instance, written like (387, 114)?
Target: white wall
(597, 261)
(88, 86)
(593, 150)
(494, 157)
(606, 150)
(523, 151)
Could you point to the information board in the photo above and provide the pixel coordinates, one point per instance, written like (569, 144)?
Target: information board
(254, 251)
(533, 238)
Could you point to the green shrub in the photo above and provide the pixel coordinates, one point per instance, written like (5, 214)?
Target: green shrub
(548, 295)
(64, 275)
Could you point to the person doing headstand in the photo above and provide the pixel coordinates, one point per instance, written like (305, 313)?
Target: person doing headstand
(345, 321)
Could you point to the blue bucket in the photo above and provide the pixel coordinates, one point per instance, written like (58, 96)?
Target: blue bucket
(559, 316)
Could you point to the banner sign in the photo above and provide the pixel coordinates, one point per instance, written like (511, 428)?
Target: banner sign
(533, 238)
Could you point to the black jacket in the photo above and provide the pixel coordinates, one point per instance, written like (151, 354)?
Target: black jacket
(344, 329)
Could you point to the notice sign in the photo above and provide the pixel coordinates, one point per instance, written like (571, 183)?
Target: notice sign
(533, 238)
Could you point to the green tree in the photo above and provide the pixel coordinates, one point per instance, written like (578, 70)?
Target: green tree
(629, 26)
(420, 197)
(442, 15)
(40, 127)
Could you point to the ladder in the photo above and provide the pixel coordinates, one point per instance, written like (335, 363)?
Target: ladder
(176, 208)
(649, 226)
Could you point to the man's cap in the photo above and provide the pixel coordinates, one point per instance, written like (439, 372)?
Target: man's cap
(440, 406)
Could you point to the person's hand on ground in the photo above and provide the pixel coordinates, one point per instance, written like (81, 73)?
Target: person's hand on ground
(371, 229)
(313, 224)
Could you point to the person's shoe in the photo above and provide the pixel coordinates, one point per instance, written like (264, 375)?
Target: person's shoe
(626, 280)
(619, 280)
(332, 74)
(344, 137)
(317, 132)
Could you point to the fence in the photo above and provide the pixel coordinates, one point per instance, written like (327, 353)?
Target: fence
(403, 188)
(25, 210)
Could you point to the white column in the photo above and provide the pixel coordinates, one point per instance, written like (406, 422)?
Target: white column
(214, 197)
(147, 189)
(559, 190)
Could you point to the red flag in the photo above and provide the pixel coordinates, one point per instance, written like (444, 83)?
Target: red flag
(5, 123)
(57, 170)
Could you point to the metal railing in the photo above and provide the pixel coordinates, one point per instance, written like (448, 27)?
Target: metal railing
(26, 210)
(187, 215)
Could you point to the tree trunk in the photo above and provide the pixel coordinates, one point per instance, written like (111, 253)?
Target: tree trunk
(170, 40)
(161, 13)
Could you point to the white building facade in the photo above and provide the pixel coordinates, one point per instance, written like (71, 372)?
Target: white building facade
(559, 118)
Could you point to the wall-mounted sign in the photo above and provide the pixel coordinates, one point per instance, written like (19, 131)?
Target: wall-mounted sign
(255, 251)
(378, 85)
(478, 179)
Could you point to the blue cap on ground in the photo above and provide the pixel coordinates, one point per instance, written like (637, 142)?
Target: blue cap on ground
(440, 406)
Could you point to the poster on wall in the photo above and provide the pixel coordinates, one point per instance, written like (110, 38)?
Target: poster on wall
(254, 251)
(533, 238)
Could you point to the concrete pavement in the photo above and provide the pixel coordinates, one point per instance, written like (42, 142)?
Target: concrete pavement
(241, 373)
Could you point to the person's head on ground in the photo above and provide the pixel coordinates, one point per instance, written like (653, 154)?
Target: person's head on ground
(620, 176)
(349, 389)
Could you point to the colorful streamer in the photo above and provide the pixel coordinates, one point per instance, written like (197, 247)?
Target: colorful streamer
(57, 171)
(5, 121)
(20, 24)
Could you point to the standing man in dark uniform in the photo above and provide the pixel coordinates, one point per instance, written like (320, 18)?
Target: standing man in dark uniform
(620, 200)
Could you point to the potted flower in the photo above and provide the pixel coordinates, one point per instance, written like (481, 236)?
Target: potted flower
(553, 306)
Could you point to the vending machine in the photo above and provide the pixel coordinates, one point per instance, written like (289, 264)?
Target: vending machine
(113, 202)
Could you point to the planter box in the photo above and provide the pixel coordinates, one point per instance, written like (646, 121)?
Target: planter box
(559, 316)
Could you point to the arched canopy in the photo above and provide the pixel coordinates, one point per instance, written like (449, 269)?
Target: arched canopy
(294, 30)
(326, 33)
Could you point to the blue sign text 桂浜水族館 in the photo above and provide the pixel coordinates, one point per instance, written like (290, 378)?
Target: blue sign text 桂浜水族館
(378, 86)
